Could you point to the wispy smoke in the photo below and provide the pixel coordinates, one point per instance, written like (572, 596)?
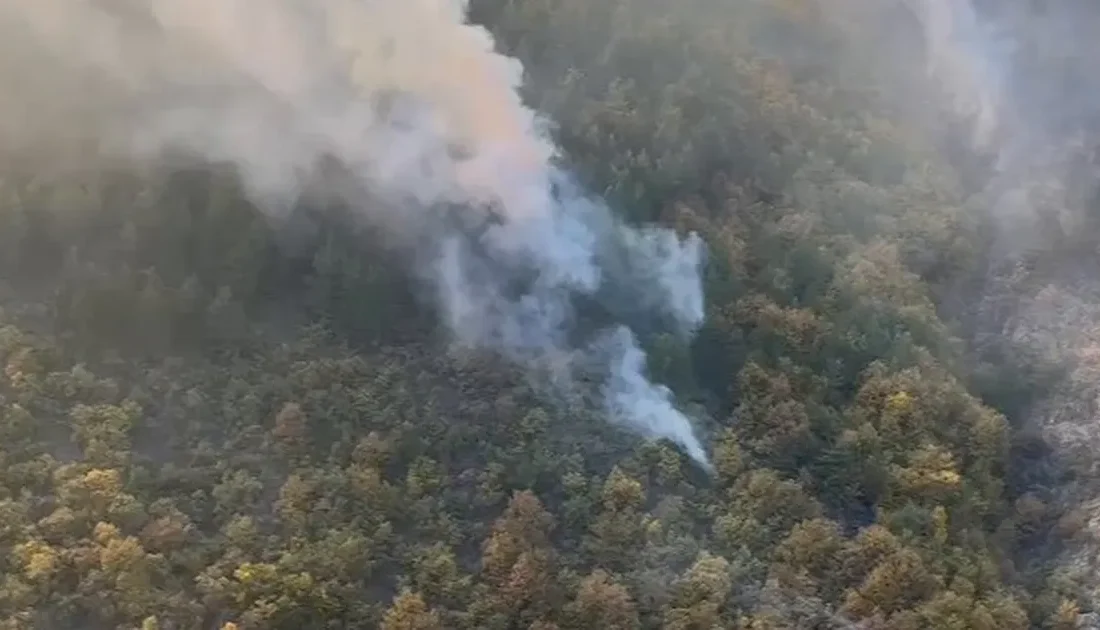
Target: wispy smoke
(956, 55)
(417, 108)
(1032, 70)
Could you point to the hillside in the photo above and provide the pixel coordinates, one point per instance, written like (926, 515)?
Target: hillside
(217, 416)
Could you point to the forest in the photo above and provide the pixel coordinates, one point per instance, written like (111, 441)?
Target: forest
(210, 419)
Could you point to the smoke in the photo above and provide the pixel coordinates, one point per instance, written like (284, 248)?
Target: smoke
(431, 139)
(1032, 78)
(956, 44)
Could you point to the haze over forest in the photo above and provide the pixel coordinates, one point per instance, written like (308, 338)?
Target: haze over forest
(549, 314)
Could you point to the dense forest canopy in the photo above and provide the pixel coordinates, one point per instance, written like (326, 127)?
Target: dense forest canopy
(548, 314)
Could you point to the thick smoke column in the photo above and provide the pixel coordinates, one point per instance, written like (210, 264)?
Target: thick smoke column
(419, 113)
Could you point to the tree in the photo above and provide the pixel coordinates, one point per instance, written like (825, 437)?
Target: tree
(899, 581)
(812, 550)
(700, 595)
(617, 532)
(517, 562)
(409, 612)
(602, 603)
(291, 426)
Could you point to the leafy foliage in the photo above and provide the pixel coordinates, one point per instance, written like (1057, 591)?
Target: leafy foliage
(204, 428)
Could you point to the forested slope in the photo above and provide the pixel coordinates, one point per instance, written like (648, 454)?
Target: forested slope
(213, 421)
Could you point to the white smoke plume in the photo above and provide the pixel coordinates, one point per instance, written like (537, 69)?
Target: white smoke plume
(955, 56)
(415, 106)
